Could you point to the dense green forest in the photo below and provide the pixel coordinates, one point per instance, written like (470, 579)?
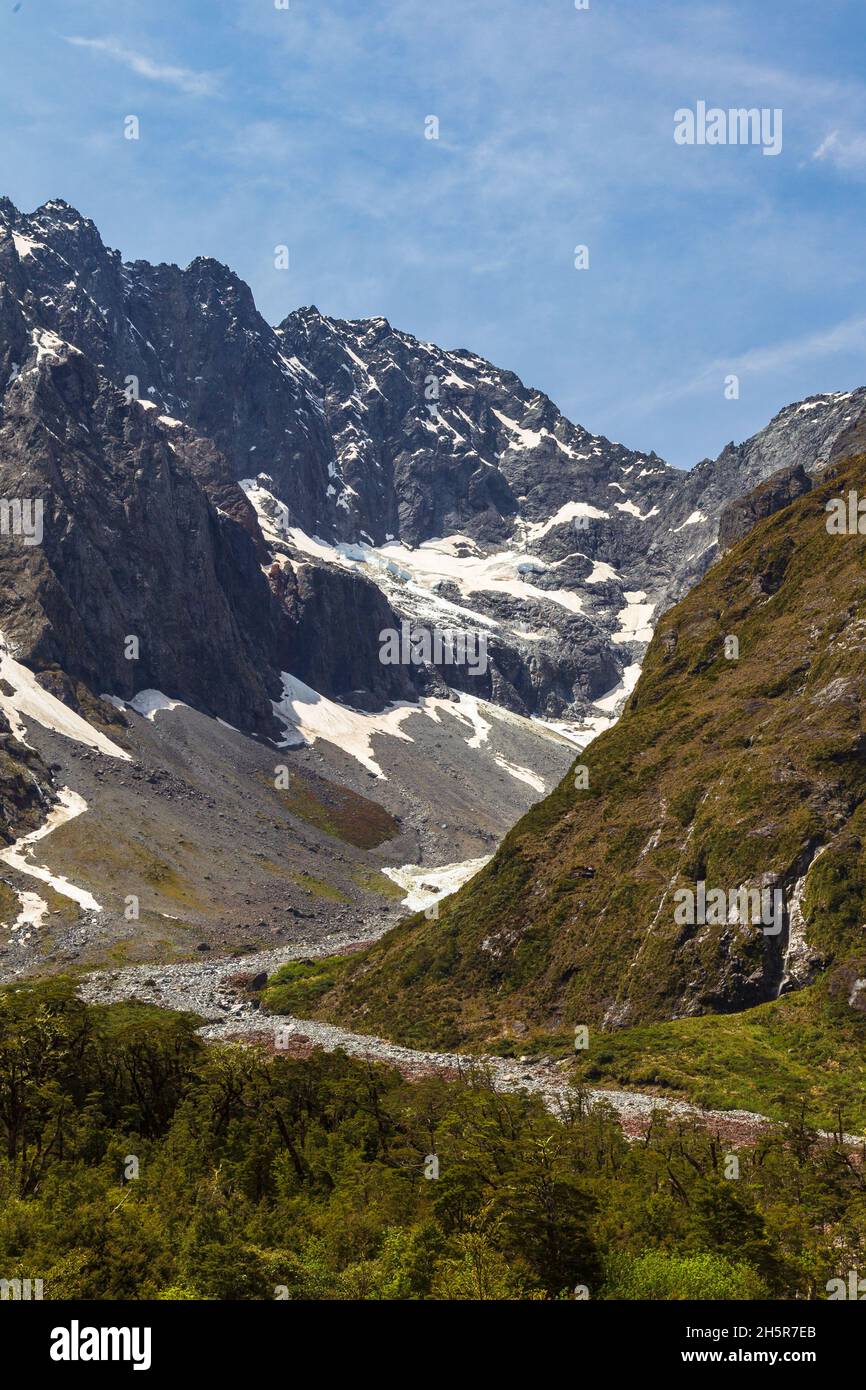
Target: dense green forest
(139, 1163)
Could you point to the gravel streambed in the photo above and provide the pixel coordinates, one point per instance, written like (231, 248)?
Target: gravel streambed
(205, 987)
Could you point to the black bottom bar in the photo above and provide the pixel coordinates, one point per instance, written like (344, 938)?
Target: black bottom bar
(250, 1338)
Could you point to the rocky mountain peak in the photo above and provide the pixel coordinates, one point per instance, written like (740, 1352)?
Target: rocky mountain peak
(424, 479)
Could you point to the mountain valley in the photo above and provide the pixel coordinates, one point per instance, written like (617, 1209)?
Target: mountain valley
(208, 750)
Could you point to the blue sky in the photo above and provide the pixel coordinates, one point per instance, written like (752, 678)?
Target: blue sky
(305, 127)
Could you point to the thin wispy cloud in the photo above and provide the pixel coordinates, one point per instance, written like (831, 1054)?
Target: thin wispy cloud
(197, 84)
(826, 148)
(845, 152)
(771, 359)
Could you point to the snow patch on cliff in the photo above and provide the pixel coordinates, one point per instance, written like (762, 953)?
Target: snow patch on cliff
(29, 700)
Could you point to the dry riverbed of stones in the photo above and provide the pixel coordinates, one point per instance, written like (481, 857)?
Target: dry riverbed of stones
(222, 991)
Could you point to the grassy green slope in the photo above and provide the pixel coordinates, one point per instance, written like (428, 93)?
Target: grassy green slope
(730, 771)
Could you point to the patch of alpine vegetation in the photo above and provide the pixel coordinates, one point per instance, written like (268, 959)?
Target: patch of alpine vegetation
(807, 1047)
(736, 776)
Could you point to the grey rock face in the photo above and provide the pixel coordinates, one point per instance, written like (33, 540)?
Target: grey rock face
(132, 586)
(802, 435)
(147, 534)
(739, 516)
(26, 786)
(190, 341)
(431, 443)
